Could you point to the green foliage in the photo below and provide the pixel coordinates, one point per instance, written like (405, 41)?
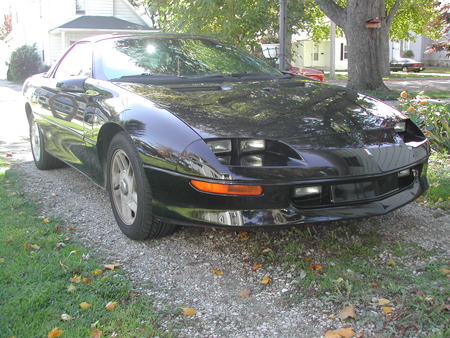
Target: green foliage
(408, 54)
(24, 62)
(432, 117)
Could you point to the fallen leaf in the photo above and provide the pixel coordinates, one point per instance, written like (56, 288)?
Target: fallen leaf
(343, 333)
(72, 229)
(111, 305)
(46, 220)
(9, 155)
(244, 293)
(87, 280)
(85, 305)
(75, 279)
(387, 309)
(316, 267)
(187, 311)
(374, 285)
(383, 301)
(66, 317)
(71, 288)
(266, 280)
(217, 272)
(73, 252)
(247, 260)
(112, 266)
(267, 250)
(308, 259)
(54, 333)
(31, 246)
(445, 271)
(2, 260)
(256, 267)
(96, 333)
(53, 194)
(340, 280)
(58, 228)
(348, 312)
(97, 272)
(392, 262)
(243, 234)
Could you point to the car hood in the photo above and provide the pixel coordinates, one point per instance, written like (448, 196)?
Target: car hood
(278, 109)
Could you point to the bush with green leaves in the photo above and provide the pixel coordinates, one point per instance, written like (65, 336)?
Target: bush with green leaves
(408, 54)
(431, 116)
(24, 62)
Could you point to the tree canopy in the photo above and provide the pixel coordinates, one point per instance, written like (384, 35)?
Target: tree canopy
(243, 22)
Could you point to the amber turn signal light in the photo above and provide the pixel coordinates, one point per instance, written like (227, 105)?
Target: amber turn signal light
(228, 189)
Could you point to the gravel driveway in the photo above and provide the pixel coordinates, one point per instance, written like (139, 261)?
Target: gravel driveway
(176, 270)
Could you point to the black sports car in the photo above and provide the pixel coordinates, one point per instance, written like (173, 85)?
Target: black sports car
(189, 130)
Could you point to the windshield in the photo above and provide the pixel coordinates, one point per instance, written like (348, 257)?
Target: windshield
(173, 56)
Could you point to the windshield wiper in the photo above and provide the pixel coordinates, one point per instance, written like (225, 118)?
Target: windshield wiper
(151, 76)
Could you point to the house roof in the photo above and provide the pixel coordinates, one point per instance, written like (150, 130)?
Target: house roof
(88, 22)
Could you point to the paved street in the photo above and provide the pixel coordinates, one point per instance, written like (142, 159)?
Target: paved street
(13, 122)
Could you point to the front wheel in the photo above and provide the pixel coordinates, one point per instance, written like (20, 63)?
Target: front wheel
(42, 159)
(130, 194)
(405, 69)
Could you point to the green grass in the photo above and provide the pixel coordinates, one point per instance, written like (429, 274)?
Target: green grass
(37, 263)
(438, 195)
(342, 264)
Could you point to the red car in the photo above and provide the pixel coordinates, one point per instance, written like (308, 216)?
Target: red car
(315, 74)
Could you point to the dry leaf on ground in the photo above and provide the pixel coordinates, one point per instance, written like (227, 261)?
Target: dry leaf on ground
(112, 266)
(85, 305)
(111, 305)
(343, 333)
(96, 333)
(244, 293)
(187, 311)
(348, 312)
(266, 280)
(54, 333)
(383, 301)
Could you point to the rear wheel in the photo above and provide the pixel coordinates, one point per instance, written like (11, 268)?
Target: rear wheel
(130, 194)
(42, 159)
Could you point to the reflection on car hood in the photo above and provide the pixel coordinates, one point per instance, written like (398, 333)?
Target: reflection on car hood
(278, 109)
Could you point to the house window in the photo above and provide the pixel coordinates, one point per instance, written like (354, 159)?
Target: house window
(344, 52)
(80, 6)
(316, 53)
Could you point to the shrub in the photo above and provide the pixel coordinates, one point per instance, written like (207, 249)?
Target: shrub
(431, 116)
(24, 62)
(408, 54)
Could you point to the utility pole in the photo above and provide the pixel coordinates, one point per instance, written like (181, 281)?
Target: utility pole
(282, 35)
(333, 51)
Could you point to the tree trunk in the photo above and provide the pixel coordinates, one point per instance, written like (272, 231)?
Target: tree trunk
(364, 44)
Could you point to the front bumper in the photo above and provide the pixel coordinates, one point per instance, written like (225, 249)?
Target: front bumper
(176, 201)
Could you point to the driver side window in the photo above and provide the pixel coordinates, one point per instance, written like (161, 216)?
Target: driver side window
(77, 62)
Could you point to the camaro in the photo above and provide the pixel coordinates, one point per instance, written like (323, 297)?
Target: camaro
(187, 130)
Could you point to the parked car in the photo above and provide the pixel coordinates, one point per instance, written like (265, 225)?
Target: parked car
(313, 73)
(406, 65)
(184, 129)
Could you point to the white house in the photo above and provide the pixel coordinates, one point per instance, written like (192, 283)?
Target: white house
(53, 25)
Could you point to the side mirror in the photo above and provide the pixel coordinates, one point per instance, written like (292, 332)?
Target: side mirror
(72, 85)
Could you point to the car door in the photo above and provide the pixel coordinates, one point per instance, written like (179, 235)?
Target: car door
(64, 110)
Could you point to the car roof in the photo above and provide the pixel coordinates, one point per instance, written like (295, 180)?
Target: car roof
(101, 37)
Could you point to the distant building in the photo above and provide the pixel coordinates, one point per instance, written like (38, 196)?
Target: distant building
(53, 25)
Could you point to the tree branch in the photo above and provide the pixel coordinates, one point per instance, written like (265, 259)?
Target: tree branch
(336, 13)
(390, 16)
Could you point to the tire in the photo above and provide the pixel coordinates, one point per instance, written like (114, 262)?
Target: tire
(129, 192)
(405, 69)
(42, 159)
